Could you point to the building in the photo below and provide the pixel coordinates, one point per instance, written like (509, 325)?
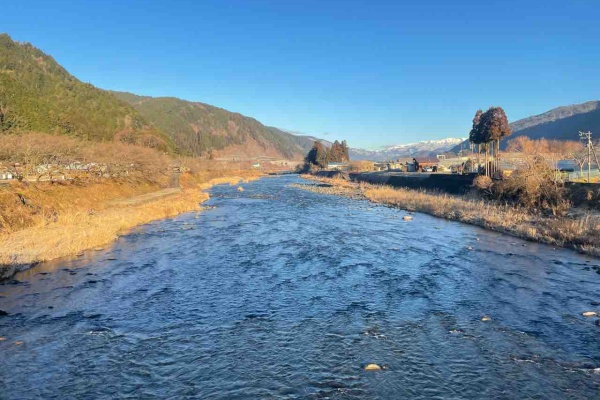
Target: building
(337, 166)
(421, 163)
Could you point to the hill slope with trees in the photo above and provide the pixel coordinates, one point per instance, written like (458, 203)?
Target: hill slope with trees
(562, 123)
(37, 94)
(199, 129)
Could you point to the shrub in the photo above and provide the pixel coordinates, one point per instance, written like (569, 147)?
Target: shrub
(535, 186)
(357, 166)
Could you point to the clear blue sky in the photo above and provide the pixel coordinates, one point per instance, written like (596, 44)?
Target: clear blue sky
(371, 72)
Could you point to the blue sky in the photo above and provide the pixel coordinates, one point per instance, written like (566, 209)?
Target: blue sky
(373, 73)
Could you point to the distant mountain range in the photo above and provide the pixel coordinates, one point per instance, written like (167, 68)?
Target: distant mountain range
(561, 123)
(424, 148)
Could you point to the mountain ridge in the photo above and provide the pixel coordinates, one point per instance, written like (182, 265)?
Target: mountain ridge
(422, 148)
(198, 128)
(559, 123)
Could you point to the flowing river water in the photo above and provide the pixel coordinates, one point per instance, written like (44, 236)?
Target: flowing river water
(278, 292)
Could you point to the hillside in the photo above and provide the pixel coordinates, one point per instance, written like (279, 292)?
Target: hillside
(37, 94)
(561, 123)
(423, 148)
(197, 128)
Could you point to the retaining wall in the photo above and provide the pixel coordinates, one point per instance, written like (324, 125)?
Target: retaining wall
(450, 183)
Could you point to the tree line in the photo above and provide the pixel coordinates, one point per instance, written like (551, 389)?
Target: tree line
(320, 156)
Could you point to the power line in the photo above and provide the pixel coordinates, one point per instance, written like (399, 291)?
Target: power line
(587, 136)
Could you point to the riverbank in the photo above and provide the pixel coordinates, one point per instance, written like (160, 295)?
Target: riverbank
(76, 227)
(580, 231)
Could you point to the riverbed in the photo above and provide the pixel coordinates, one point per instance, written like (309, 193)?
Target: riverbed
(278, 292)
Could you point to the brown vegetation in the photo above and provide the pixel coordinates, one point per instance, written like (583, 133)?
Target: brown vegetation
(522, 144)
(41, 219)
(73, 227)
(359, 166)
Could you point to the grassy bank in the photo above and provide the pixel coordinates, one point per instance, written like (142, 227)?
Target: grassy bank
(68, 220)
(579, 231)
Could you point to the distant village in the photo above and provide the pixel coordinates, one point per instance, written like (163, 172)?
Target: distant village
(569, 169)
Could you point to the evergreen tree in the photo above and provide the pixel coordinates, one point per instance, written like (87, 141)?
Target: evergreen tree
(345, 151)
(490, 127)
(317, 155)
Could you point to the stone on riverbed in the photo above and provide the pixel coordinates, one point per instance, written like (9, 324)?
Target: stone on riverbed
(372, 367)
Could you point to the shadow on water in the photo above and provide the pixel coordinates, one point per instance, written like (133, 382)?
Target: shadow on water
(278, 292)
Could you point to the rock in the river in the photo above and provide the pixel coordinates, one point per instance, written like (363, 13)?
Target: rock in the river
(486, 318)
(372, 367)
(3, 313)
(240, 189)
(597, 322)
(407, 218)
(2, 339)
(590, 314)
(18, 342)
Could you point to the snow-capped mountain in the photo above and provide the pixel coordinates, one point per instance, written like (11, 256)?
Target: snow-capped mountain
(424, 148)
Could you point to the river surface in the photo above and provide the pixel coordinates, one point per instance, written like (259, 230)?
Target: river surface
(278, 292)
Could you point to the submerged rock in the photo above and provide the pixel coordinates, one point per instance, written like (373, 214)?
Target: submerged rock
(486, 318)
(590, 314)
(3, 313)
(372, 367)
(407, 218)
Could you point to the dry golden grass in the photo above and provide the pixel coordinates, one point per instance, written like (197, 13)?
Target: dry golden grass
(581, 232)
(76, 228)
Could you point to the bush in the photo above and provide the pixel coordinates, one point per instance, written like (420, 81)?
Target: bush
(358, 166)
(482, 183)
(535, 186)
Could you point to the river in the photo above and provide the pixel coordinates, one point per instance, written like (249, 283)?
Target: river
(278, 292)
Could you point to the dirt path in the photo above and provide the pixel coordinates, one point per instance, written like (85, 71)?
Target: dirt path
(145, 198)
(148, 197)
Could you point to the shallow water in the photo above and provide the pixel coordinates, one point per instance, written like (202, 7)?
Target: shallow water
(279, 292)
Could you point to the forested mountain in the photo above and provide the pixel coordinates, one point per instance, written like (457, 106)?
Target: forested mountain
(562, 123)
(199, 128)
(37, 94)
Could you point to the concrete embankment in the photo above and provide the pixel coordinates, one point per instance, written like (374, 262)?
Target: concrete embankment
(579, 194)
(449, 183)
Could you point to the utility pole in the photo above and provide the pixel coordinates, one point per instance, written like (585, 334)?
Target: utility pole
(587, 136)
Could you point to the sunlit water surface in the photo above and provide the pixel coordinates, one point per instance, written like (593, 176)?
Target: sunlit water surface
(279, 292)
